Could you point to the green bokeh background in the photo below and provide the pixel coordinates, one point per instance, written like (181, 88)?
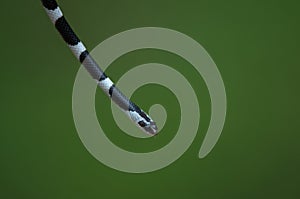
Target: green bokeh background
(255, 45)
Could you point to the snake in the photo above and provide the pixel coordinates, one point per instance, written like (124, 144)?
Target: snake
(134, 112)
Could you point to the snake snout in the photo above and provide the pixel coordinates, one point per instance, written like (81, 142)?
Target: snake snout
(152, 128)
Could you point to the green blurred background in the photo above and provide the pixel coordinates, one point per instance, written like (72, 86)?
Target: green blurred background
(255, 45)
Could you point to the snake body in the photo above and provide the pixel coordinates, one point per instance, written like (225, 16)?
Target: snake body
(138, 116)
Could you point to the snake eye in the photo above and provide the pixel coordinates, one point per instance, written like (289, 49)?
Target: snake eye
(142, 123)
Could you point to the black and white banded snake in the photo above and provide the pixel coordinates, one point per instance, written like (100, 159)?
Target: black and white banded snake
(138, 116)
